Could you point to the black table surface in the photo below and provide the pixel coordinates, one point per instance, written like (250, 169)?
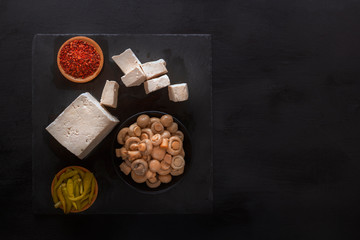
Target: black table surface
(286, 111)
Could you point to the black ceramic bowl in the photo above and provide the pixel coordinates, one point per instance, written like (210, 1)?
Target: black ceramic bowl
(142, 187)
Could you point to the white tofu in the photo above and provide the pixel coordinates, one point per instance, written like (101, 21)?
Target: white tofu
(154, 69)
(134, 77)
(109, 96)
(82, 125)
(178, 92)
(127, 61)
(156, 83)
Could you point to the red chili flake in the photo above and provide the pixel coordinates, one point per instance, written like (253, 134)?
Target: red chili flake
(79, 59)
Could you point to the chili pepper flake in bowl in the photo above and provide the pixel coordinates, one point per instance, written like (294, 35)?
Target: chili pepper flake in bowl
(80, 59)
(74, 189)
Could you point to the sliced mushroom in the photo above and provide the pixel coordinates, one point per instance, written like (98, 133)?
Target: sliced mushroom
(165, 178)
(143, 120)
(134, 130)
(165, 143)
(177, 172)
(118, 152)
(138, 178)
(163, 172)
(130, 141)
(127, 162)
(121, 135)
(177, 162)
(175, 145)
(154, 165)
(123, 153)
(157, 127)
(125, 168)
(146, 133)
(139, 166)
(134, 155)
(180, 134)
(148, 147)
(156, 139)
(166, 120)
(173, 128)
(166, 134)
(153, 185)
(158, 153)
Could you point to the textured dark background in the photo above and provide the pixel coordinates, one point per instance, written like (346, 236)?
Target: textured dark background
(286, 116)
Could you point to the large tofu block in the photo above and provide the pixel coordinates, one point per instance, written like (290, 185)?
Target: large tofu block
(109, 96)
(178, 92)
(134, 78)
(154, 69)
(156, 84)
(127, 61)
(82, 125)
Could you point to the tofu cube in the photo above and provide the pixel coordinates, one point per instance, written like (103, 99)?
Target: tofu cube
(134, 78)
(156, 83)
(127, 61)
(178, 92)
(154, 69)
(82, 125)
(109, 96)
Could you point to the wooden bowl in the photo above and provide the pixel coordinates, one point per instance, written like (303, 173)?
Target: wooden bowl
(91, 77)
(85, 170)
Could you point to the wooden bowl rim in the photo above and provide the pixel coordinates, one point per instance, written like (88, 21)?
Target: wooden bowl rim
(95, 193)
(96, 73)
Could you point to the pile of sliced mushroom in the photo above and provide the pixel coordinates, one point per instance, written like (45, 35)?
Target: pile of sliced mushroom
(152, 150)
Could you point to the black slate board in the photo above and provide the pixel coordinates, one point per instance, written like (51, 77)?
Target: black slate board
(188, 60)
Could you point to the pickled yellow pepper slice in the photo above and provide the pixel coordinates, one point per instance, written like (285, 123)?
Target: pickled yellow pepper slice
(65, 176)
(87, 184)
(61, 197)
(93, 183)
(70, 187)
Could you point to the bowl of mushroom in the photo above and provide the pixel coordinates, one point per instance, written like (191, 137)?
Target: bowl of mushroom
(149, 151)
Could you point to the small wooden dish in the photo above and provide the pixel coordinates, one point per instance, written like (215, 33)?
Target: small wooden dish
(91, 77)
(85, 170)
